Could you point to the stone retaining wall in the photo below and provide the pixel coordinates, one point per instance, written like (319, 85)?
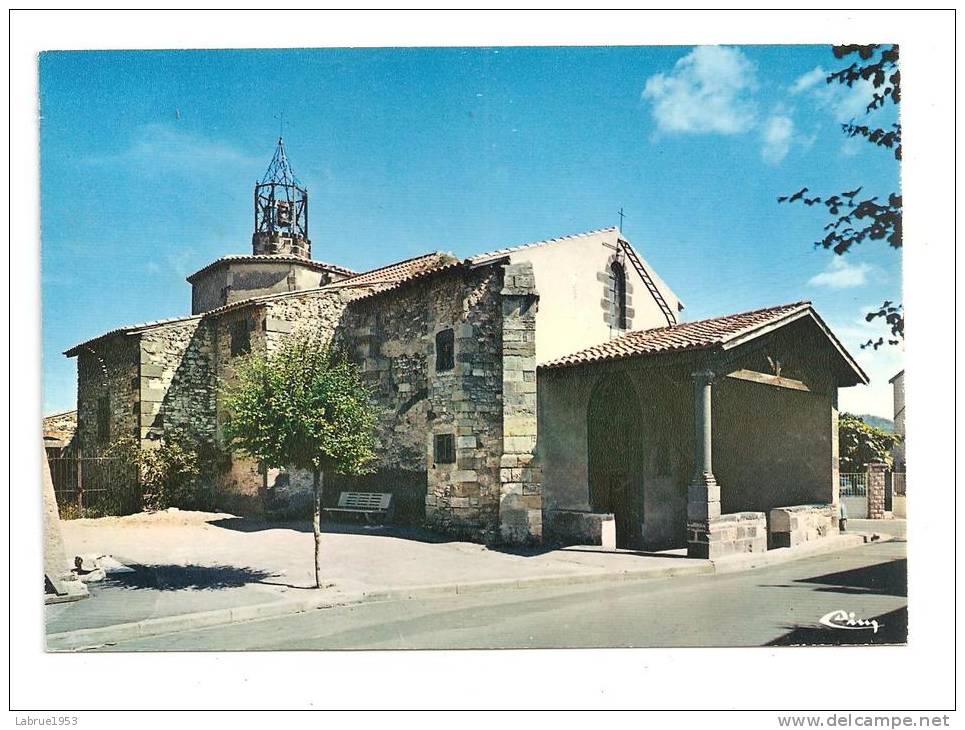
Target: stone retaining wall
(792, 526)
(573, 527)
(730, 534)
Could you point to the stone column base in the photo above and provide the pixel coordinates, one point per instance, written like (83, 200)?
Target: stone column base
(733, 534)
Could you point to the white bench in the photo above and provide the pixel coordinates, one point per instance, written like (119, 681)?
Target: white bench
(370, 504)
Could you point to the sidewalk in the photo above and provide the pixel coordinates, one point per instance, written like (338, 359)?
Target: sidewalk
(191, 569)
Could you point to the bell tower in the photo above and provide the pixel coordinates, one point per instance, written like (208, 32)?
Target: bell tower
(281, 211)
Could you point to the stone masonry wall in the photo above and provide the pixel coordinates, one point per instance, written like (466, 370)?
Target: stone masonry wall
(730, 534)
(791, 526)
(876, 490)
(319, 311)
(107, 369)
(177, 381)
(393, 336)
(520, 500)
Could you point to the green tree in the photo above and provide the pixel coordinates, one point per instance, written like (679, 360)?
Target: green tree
(856, 218)
(302, 406)
(859, 444)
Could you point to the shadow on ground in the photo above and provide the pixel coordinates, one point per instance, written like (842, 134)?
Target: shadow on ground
(180, 577)
(258, 524)
(886, 579)
(892, 629)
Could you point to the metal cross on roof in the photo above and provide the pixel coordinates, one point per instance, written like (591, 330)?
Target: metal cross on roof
(621, 214)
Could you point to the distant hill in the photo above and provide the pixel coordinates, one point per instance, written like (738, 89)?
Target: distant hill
(885, 424)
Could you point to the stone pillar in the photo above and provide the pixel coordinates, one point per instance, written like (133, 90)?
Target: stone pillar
(520, 494)
(875, 472)
(703, 494)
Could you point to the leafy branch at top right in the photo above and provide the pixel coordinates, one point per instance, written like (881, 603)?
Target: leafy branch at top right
(856, 219)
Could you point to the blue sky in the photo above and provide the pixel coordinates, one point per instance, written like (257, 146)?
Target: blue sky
(148, 161)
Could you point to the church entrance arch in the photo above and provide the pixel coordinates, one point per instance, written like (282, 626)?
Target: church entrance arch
(615, 451)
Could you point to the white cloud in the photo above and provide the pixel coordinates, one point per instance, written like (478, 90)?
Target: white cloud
(844, 103)
(708, 91)
(161, 145)
(809, 80)
(777, 133)
(841, 274)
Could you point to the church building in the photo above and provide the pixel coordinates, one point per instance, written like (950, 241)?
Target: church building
(548, 391)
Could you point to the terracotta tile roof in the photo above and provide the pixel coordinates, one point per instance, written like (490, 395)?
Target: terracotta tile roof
(388, 276)
(272, 258)
(396, 275)
(502, 252)
(701, 335)
(130, 329)
(400, 271)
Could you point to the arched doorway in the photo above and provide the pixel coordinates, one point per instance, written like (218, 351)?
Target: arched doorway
(614, 448)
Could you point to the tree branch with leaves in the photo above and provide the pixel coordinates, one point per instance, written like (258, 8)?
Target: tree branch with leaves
(856, 220)
(303, 406)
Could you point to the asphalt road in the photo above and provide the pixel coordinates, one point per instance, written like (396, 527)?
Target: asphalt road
(779, 605)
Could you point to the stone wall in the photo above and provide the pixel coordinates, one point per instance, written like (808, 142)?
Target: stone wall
(520, 496)
(792, 526)
(59, 429)
(393, 338)
(177, 381)
(65, 423)
(108, 369)
(732, 534)
(169, 376)
(574, 527)
(876, 490)
(320, 311)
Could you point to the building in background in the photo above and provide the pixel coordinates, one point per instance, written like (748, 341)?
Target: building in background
(898, 398)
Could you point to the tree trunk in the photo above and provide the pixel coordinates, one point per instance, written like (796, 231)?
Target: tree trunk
(317, 523)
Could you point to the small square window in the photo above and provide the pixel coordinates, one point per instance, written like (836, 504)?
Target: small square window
(444, 449)
(240, 338)
(445, 350)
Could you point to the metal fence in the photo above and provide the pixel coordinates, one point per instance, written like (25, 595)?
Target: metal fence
(898, 483)
(853, 484)
(94, 486)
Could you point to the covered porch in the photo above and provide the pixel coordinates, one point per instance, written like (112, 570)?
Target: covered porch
(718, 435)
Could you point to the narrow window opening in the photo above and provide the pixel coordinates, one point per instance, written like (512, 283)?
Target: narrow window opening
(240, 338)
(445, 350)
(103, 419)
(617, 295)
(444, 449)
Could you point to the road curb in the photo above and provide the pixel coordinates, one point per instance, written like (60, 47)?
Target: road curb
(81, 639)
(751, 561)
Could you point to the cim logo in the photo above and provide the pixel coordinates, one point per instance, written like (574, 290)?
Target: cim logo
(840, 619)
